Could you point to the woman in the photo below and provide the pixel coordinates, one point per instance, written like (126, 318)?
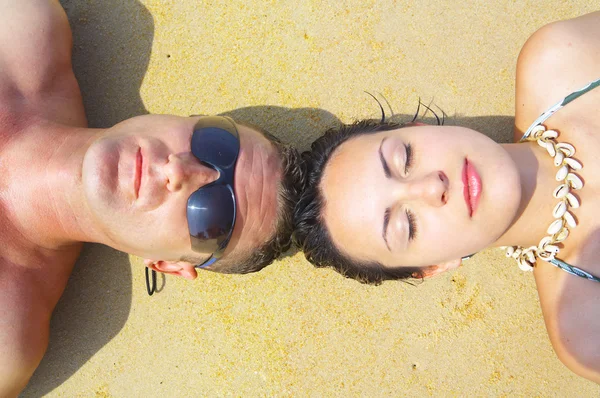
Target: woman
(385, 202)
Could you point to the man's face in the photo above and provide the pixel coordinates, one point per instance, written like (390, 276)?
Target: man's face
(139, 174)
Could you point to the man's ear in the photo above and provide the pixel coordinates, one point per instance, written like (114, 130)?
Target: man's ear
(180, 268)
(433, 270)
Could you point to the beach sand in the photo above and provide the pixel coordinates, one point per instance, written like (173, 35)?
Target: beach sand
(296, 68)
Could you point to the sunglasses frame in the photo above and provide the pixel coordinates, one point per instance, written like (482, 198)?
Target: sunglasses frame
(226, 179)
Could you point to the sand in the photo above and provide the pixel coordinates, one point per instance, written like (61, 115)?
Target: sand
(296, 68)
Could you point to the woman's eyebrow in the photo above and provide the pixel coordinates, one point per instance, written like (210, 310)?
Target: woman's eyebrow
(384, 164)
(386, 222)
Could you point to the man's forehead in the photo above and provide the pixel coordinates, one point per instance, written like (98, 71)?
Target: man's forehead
(252, 135)
(257, 182)
(258, 157)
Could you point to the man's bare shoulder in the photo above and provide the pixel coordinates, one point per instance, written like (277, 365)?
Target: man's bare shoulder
(35, 61)
(35, 42)
(556, 60)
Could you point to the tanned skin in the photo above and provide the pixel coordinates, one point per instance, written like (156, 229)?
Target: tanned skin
(126, 187)
(558, 59)
(38, 92)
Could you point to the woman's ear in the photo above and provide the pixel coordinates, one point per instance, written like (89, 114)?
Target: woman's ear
(433, 270)
(179, 268)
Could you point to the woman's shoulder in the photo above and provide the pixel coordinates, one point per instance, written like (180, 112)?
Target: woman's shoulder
(556, 60)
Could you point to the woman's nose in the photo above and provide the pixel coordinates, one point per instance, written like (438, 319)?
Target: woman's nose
(183, 171)
(431, 189)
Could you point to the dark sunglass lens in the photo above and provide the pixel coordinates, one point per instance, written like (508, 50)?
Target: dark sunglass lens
(210, 216)
(216, 144)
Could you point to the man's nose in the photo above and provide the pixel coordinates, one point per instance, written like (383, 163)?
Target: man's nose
(183, 171)
(431, 189)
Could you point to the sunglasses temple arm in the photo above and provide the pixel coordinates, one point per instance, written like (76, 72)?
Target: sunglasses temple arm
(150, 289)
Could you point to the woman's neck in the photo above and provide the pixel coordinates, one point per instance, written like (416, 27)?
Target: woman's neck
(537, 173)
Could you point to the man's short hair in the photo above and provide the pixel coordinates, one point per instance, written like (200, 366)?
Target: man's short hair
(311, 233)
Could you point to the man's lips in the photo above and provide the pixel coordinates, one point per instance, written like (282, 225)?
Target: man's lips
(138, 173)
(472, 187)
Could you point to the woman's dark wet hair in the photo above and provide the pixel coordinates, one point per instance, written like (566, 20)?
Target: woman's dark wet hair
(310, 232)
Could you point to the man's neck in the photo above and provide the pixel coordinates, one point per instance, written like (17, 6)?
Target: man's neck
(42, 191)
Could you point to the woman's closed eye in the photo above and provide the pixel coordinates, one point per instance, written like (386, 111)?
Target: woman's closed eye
(402, 169)
(412, 225)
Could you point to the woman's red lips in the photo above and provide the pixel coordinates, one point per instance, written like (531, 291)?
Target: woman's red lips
(138, 172)
(472, 187)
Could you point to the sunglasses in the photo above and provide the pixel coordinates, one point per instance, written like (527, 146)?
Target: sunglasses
(211, 210)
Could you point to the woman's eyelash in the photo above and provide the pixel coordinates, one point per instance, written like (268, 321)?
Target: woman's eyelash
(412, 225)
(409, 158)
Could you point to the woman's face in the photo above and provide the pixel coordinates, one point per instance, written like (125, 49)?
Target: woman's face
(419, 196)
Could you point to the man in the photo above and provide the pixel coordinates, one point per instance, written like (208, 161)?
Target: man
(179, 192)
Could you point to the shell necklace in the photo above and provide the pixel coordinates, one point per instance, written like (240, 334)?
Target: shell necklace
(558, 231)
